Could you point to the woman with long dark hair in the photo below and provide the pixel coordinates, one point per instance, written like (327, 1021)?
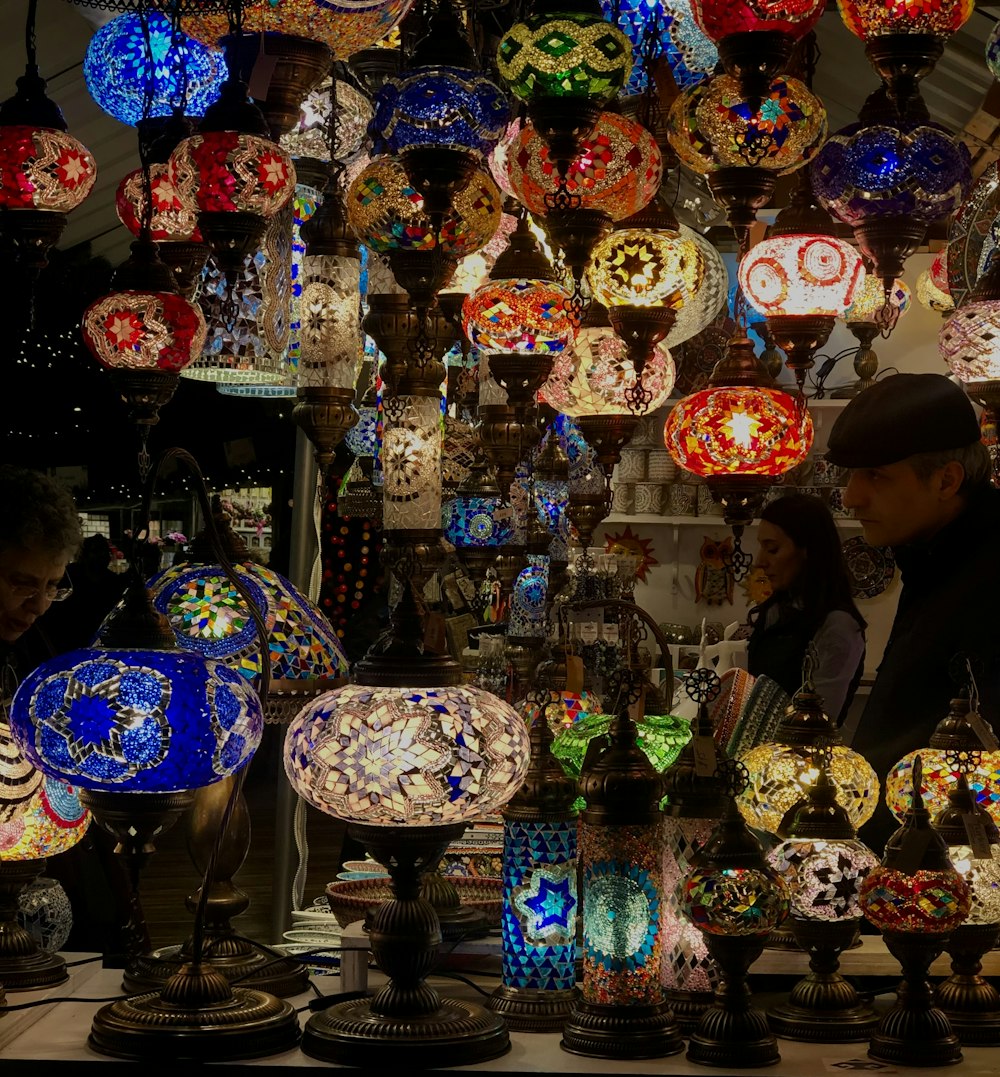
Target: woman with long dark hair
(810, 603)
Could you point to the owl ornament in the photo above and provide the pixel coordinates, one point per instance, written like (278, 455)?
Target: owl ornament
(713, 578)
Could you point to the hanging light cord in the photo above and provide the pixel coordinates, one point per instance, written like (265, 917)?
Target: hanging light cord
(30, 48)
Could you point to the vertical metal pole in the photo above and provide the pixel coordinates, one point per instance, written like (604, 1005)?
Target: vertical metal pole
(303, 552)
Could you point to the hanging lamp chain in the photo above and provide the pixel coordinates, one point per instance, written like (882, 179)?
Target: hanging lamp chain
(30, 43)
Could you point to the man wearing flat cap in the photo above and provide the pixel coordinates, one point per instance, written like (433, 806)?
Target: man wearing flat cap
(920, 483)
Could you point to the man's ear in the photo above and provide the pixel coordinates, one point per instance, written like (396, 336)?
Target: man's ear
(950, 479)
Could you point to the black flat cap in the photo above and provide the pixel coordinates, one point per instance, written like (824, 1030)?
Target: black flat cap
(901, 416)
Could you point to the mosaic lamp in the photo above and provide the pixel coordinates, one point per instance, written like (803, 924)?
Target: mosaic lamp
(540, 900)
(971, 1003)
(873, 312)
(621, 1012)
(310, 136)
(889, 176)
(40, 816)
(173, 71)
(566, 62)
(736, 900)
(824, 866)
(933, 287)
(916, 898)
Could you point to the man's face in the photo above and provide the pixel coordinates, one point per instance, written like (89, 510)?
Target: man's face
(27, 580)
(895, 506)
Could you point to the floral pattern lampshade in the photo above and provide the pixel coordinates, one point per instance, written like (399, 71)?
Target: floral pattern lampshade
(719, 18)
(136, 721)
(144, 331)
(646, 268)
(870, 299)
(823, 877)
(801, 274)
(736, 430)
(618, 170)
(131, 81)
(310, 137)
(712, 126)
(347, 26)
(173, 219)
(209, 616)
(330, 347)
(566, 54)
(518, 315)
(43, 168)
(870, 18)
(407, 756)
(39, 815)
(387, 213)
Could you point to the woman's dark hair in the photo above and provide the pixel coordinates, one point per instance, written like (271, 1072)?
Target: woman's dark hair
(38, 513)
(823, 585)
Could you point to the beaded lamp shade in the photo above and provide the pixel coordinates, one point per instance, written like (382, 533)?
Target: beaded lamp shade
(938, 17)
(439, 107)
(565, 54)
(310, 137)
(43, 168)
(172, 219)
(780, 775)
(660, 736)
(131, 81)
(704, 306)
(823, 876)
(564, 710)
(232, 172)
(931, 902)
(406, 756)
(719, 19)
(739, 430)
(133, 330)
(387, 213)
(889, 170)
(738, 901)
(939, 777)
(801, 274)
(712, 126)
(870, 300)
(518, 315)
(618, 170)
(596, 376)
(646, 268)
(208, 616)
(136, 721)
(347, 26)
(39, 815)
(667, 31)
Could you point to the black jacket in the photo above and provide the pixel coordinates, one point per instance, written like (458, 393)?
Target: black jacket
(948, 608)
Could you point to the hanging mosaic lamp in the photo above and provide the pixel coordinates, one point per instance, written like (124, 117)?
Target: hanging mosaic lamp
(801, 277)
(310, 135)
(933, 287)
(888, 178)
(916, 898)
(704, 306)
(872, 313)
(132, 81)
(741, 149)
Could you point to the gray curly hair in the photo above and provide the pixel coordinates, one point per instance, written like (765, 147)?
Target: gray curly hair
(37, 513)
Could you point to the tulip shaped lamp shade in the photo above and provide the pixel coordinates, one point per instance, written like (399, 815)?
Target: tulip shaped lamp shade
(130, 84)
(172, 219)
(565, 54)
(136, 720)
(939, 17)
(387, 213)
(347, 26)
(801, 274)
(310, 137)
(660, 736)
(518, 315)
(43, 168)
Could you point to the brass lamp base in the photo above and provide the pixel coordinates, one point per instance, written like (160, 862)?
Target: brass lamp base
(196, 1017)
(526, 1009)
(688, 1006)
(602, 1031)
(23, 966)
(971, 1003)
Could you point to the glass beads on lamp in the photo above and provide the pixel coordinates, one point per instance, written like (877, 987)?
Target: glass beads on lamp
(172, 219)
(527, 316)
(704, 306)
(968, 341)
(121, 72)
(939, 776)
(476, 522)
(933, 289)
(310, 137)
(801, 274)
(720, 18)
(737, 902)
(394, 756)
(564, 710)
(135, 720)
(823, 876)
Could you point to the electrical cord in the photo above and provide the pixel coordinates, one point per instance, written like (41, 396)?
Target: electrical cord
(84, 961)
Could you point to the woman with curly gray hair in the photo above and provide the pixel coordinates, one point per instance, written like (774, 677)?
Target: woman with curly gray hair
(39, 536)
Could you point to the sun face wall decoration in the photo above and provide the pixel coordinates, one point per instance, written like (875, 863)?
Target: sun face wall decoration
(630, 543)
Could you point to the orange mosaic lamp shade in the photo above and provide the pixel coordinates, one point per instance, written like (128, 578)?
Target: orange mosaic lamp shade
(739, 430)
(518, 315)
(801, 274)
(876, 18)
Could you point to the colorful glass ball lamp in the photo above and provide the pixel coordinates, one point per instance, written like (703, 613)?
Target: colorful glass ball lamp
(933, 288)
(310, 136)
(916, 898)
(406, 768)
(121, 74)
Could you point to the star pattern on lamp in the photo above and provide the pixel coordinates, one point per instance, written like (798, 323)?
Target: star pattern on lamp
(546, 904)
(124, 329)
(73, 169)
(742, 428)
(273, 173)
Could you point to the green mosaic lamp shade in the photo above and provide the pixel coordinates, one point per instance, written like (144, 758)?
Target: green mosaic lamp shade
(661, 737)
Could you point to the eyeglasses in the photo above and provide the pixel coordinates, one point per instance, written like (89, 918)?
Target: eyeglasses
(54, 592)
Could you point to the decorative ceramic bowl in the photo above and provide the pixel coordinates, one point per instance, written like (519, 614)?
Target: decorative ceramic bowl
(350, 901)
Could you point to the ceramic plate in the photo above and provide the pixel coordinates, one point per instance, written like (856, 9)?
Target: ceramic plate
(871, 568)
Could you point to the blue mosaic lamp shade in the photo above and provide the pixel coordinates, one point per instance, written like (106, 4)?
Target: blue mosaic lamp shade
(210, 618)
(439, 107)
(118, 70)
(527, 606)
(539, 905)
(476, 521)
(362, 438)
(136, 721)
(551, 499)
(891, 170)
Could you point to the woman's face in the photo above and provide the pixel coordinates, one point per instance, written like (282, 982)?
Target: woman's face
(778, 557)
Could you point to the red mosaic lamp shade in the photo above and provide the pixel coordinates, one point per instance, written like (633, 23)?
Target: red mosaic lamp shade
(617, 172)
(876, 18)
(736, 430)
(801, 274)
(527, 316)
(43, 168)
(720, 18)
(173, 219)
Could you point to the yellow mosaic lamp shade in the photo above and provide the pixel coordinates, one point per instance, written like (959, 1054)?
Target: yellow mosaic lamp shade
(644, 268)
(870, 300)
(939, 776)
